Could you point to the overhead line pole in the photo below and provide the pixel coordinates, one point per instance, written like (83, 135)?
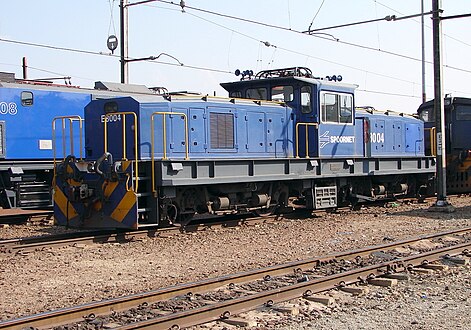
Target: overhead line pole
(123, 14)
(424, 92)
(439, 106)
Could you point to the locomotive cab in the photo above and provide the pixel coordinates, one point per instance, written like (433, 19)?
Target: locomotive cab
(323, 108)
(457, 143)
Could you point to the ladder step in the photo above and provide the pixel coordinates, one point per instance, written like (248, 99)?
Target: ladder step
(146, 194)
(141, 178)
(25, 193)
(147, 225)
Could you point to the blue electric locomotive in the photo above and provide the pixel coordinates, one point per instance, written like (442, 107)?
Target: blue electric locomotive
(284, 138)
(27, 109)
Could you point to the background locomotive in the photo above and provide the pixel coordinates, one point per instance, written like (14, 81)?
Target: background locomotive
(457, 140)
(27, 109)
(283, 138)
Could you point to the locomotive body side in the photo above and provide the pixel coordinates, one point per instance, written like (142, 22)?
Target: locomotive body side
(26, 151)
(153, 161)
(193, 128)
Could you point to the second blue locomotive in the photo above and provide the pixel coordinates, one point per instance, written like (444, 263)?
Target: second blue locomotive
(284, 138)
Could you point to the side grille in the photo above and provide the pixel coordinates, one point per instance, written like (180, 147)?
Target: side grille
(33, 195)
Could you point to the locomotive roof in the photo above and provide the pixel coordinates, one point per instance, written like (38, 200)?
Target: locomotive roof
(371, 110)
(448, 102)
(101, 87)
(324, 84)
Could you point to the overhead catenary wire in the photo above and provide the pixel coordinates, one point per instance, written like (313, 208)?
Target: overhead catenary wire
(328, 38)
(225, 71)
(317, 13)
(212, 69)
(428, 26)
(81, 51)
(311, 56)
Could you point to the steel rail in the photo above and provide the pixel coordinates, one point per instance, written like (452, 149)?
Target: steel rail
(236, 306)
(24, 245)
(77, 313)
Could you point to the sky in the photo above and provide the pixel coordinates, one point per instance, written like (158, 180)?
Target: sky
(383, 58)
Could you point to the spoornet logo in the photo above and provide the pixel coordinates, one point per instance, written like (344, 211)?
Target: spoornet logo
(325, 139)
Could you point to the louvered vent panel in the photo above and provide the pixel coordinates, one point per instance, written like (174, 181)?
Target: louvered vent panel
(221, 130)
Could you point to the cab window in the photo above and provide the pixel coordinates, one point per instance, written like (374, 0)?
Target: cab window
(425, 115)
(256, 93)
(236, 94)
(306, 99)
(463, 112)
(27, 99)
(337, 108)
(282, 93)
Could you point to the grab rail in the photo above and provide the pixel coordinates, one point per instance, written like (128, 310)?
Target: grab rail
(316, 125)
(164, 138)
(71, 120)
(63, 120)
(433, 140)
(123, 121)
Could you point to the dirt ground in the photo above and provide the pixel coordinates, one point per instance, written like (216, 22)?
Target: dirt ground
(47, 280)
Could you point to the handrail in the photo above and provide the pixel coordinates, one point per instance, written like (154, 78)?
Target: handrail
(307, 140)
(71, 120)
(164, 138)
(433, 140)
(123, 121)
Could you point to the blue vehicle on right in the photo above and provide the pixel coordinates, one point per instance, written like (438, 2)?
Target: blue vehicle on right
(457, 140)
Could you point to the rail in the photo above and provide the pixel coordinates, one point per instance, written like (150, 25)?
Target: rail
(316, 125)
(123, 125)
(164, 138)
(251, 300)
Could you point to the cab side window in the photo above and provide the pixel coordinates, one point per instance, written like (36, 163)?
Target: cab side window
(306, 99)
(26, 99)
(337, 108)
(236, 94)
(256, 93)
(425, 115)
(282, 94)
(346, 108)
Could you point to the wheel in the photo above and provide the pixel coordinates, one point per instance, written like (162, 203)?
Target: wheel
(266, 212)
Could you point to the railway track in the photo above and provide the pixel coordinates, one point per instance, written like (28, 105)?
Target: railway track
(25, 245)
(30, 244)
(16, 216)
(213, 299)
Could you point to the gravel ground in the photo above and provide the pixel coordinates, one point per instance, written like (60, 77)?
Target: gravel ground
(42, 281)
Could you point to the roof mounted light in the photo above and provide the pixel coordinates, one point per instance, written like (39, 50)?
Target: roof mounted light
(334, 78)
(246, 73)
